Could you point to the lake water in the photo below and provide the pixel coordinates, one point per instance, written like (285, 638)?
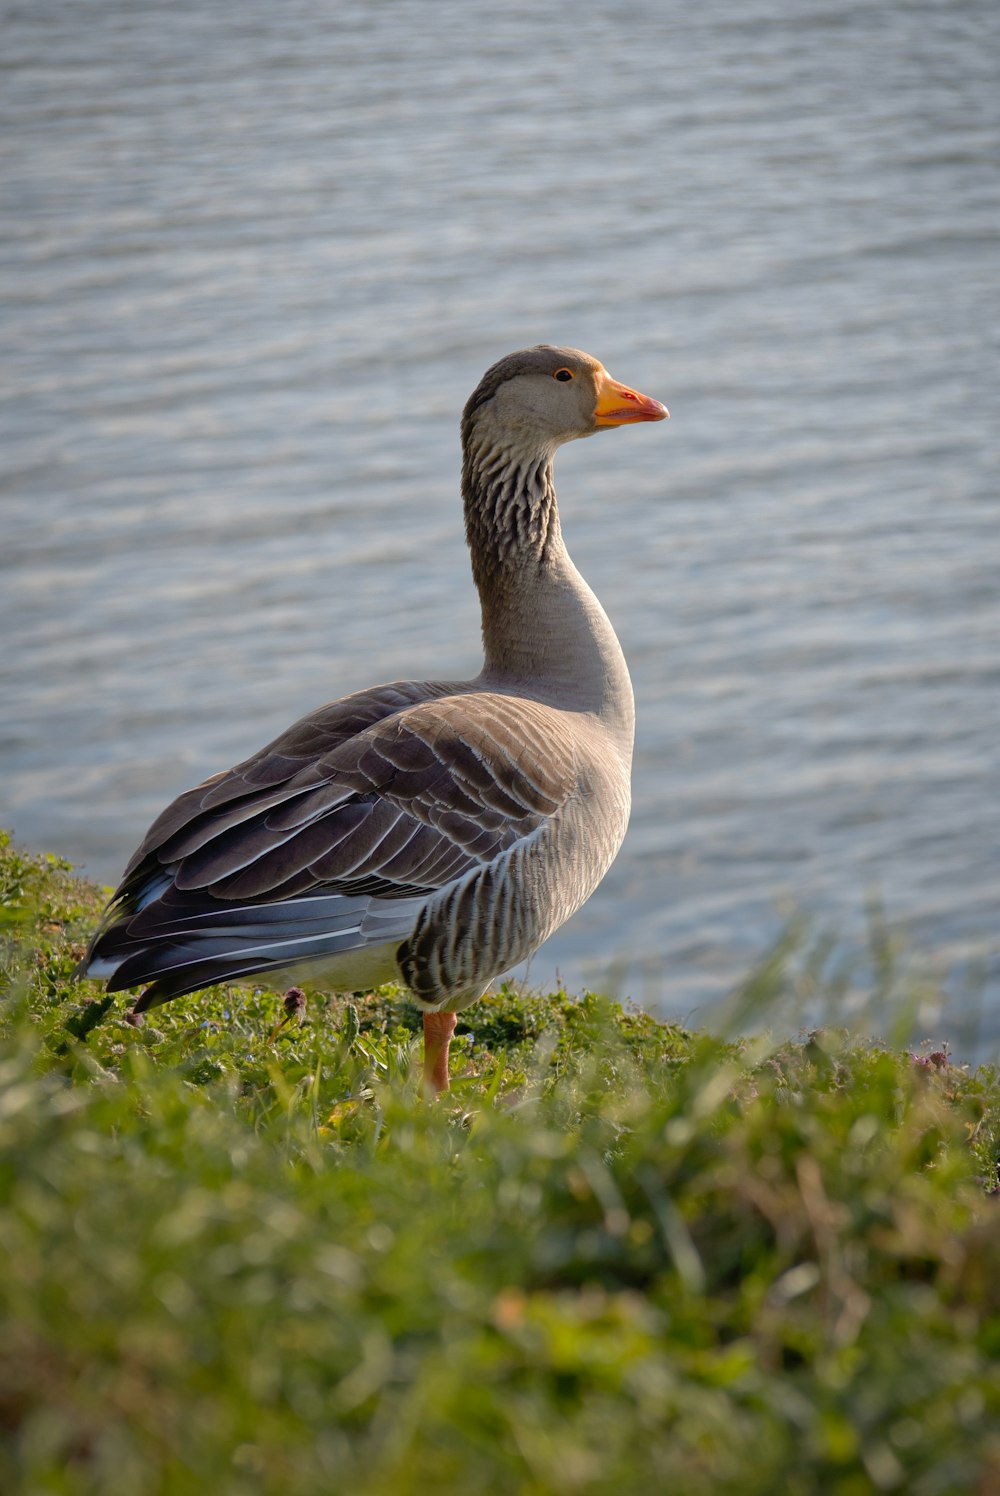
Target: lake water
(256, 256)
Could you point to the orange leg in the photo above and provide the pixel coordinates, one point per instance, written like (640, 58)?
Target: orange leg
(438, 1029)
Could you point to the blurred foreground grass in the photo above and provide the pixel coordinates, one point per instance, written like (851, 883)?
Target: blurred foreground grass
(242, 1256)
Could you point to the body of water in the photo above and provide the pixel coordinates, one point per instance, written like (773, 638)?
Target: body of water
(256, 257)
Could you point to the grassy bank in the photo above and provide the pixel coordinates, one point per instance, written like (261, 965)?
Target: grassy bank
(240, 1254)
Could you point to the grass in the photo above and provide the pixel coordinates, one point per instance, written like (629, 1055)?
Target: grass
(241, 1255)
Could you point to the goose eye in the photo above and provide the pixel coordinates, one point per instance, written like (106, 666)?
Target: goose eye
(563, 375)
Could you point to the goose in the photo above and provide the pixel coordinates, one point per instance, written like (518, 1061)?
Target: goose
(434, 832)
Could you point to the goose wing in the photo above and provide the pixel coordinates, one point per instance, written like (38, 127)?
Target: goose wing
(333, 838)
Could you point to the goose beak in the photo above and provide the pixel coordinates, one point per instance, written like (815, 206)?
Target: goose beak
(617, 405)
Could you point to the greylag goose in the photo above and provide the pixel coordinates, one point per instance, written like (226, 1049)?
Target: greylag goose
(426, 832)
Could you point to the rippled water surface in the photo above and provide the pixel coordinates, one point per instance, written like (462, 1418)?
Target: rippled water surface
(254, 260)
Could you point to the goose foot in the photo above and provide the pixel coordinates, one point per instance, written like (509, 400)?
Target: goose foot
(438, 1029)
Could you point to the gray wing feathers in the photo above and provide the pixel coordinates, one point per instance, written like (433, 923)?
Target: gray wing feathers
(419, 800)
(345, 830)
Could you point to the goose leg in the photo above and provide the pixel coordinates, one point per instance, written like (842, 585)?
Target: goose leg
(438, 1029)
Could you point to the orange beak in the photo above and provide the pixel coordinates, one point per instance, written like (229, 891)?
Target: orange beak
(617, 405)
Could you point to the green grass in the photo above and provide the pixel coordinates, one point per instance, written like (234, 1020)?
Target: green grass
(243, 1256)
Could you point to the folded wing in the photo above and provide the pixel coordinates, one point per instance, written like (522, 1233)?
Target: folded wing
(334, 838)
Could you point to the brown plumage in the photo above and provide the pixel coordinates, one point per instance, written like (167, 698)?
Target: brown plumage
(433, 832)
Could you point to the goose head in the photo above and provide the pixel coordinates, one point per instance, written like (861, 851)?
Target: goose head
(537, 399)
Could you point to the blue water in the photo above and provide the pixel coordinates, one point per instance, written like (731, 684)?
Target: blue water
(255, 258)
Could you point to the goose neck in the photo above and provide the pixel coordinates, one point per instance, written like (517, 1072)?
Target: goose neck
(543, 628)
